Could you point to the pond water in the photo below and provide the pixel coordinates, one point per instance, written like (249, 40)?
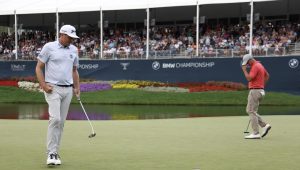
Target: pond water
(131, 112)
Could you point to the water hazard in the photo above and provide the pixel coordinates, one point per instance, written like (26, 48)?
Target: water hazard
(131, 112)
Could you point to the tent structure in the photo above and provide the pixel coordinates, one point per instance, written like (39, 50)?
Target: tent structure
(62, 6)
(17, 7)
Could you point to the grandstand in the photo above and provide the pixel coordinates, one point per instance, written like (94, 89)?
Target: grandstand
(223, 28)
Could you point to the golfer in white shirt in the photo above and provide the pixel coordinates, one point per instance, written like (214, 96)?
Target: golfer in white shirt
(59, 60)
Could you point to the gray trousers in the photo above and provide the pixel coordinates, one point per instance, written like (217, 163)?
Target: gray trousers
(58, 101)
(254, 98)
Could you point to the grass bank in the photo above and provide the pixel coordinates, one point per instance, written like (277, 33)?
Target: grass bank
(171, 144)
(140, 97)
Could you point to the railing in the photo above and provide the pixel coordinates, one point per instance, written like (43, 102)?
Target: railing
(292, 49)
(21, 56)
(238, 53)
(162, 54)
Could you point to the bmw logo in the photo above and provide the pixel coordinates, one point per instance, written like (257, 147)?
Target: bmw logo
(294, 63)
(155, 65)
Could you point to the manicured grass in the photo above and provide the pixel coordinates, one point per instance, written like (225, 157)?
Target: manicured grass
(137, 96)
(214, 143)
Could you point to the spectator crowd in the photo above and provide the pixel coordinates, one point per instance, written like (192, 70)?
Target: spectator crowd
(165, 40)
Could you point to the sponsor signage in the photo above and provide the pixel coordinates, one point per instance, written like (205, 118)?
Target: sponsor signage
(293, 63)
(88, 66)
(178, 65)
(124, 65)
(18, 67)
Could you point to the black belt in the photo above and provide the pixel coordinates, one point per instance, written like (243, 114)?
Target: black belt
(71, 85)
(257, 88)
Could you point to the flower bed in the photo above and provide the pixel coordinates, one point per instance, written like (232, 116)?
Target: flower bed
(211, 86)
(141, 83)
(165, 89)
(125, 86)
(12, 83)
(90, 87)
(27, 78)
(134, 84)
(29, 86)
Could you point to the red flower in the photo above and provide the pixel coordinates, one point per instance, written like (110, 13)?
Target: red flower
(9, 83)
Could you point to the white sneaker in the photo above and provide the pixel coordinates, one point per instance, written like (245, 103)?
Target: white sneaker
(253, 136)
(265, 130)
(51, 160)
(58, 161)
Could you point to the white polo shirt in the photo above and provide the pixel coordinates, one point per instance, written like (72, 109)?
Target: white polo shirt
(59, 62)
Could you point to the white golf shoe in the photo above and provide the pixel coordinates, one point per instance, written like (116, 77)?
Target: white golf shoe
(265, 130)
(58, 161)
(253, 136)
(51, 159)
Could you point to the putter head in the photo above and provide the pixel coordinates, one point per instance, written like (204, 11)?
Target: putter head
(246, 132)
(92, 135)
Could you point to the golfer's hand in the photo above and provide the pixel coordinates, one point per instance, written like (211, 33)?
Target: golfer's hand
(47, 88)
(77, 92)
(244, 68)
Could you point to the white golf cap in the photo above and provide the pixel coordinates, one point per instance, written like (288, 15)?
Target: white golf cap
(69, 30)
(246, 58)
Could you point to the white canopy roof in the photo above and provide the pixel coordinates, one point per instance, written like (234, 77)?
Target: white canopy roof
(50, 6)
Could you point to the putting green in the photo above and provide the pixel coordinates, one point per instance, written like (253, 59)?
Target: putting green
(212, 143)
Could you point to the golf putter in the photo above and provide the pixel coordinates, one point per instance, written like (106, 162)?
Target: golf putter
(93, 134)
(247, 128)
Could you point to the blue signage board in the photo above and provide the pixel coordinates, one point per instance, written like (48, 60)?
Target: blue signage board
(284, 71)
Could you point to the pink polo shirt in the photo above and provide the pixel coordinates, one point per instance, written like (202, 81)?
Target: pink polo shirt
(258, 75)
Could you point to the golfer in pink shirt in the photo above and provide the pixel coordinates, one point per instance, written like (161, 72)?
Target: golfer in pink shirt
(257, 78)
